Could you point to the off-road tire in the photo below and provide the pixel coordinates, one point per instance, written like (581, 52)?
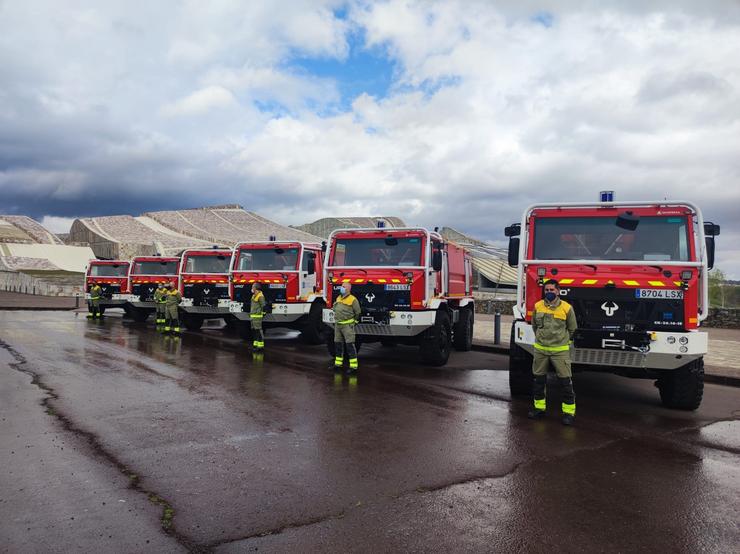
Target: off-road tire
(436, 344)
(520, 368)
(244, 329)
(683, 388)
(231, 324)
(192, 322)
(139, 315)
(313, 331)
(463, 331)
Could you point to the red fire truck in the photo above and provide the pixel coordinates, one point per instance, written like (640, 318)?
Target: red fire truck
(287, 272)
(204, 284)
(112, 276)
(636, 276)
(145, 275)
(414, 287)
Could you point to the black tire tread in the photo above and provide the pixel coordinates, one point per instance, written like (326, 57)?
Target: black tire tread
(520, 368)
(683, 388)
(463, 331)
(431, 353)
(313, 332)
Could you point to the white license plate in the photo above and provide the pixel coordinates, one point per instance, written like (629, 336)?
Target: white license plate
(669, 294)
(398, 287)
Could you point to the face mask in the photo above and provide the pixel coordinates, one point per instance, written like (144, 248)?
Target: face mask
(342, 291)
(550, 296)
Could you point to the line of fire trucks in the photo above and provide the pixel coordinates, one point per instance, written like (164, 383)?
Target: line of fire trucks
(635, 273)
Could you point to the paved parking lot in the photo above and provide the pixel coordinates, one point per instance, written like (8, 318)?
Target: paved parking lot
(118, 439)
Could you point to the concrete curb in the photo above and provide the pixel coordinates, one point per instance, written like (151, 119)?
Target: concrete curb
(493, 349)
(708, 377)
(722, 380)
(36, 309)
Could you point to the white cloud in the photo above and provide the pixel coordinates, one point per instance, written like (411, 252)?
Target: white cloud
(201, 101)
(101, 104)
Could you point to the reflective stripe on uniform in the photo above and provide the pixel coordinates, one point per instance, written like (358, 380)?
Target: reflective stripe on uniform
(338, 360)
(539, 403)
(353, 363)
(542, 348)
(569, 409)
(256, 316)
(345, 322)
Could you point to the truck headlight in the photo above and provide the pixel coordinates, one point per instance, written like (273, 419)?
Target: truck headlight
(671, 340)
(686, 275)
(684, 340)
(684, 349)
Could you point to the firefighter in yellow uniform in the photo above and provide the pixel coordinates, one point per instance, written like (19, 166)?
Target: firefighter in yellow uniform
(346, 315)
(160, 300)
(171, 303)
(256, 313)
(554, 323)
(96, 293)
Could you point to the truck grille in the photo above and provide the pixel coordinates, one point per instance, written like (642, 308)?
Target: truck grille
(206, 294)
(144, 291)
(376, 299)
(272, 293)
(620, 310)
(109, 290)
(608, 357)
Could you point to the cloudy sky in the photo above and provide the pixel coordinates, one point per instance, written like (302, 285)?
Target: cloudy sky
(452, 113)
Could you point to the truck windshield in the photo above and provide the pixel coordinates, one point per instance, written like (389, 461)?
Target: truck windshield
(118, 270)
(599, 238)
(204, 263)
(155, 268)
(268, 259)
(361, 252)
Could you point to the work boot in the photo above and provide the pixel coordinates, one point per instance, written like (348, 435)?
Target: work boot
(353, 365)
(534, 413)
(568, 419)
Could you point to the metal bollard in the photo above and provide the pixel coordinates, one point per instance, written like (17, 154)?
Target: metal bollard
(77, 300)
(497, 328)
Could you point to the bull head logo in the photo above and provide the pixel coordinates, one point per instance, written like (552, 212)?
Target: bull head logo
(609, 308)
(206, 291)
(370, 297)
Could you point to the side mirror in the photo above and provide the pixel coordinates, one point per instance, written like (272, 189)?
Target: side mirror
(514, 251)
(710, 252)
(312, 265)
(628, 221)
(437, 260)
(323, 246)
(710, 229)
(513, 230)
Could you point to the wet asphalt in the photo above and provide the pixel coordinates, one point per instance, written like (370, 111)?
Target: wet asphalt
(116, 438)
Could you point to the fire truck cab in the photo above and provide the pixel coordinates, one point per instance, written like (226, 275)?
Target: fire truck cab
(636, 276)
(204, 285)
(112, 276)
(145, 275)
(287, 272)
(414, 287)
